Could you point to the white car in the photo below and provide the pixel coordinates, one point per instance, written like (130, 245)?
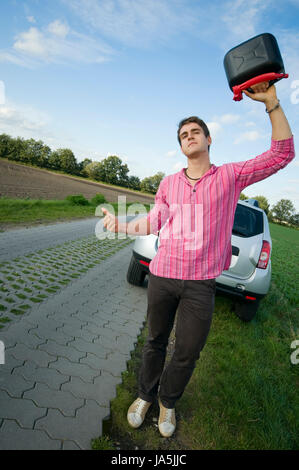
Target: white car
(248, 278)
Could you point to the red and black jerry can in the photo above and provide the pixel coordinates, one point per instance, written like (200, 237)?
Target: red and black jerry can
(256, 60)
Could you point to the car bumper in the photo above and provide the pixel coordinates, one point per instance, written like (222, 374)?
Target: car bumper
(221, 288)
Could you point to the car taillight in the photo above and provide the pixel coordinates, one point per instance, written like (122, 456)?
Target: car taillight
(264, 256)
(143, 262)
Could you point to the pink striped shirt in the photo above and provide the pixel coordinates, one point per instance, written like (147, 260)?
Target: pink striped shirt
(197, 222)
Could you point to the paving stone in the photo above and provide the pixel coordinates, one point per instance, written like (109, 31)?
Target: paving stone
(102, 390)
(21, 351)
(16, 333)
(46, 397)
(10, 364)
(25, 412)
(58, 335)
(13, 437)
(57, 350)
(124, 344)
(64, 366)
(115, 363)
(94, 348)
(51, 377)
(85, 426)
(14, 385)
(77, 332)
(69, 445)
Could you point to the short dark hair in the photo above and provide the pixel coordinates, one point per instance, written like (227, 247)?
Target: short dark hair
(198, 121)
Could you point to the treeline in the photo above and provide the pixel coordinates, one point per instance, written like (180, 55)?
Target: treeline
(109, 170)
(283, 212)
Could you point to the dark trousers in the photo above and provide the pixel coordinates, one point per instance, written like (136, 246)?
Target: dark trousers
(194, 302)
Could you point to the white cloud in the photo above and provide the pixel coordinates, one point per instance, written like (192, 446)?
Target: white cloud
(28, 122)
(15, 119)
(31, 19)
(248, 136)
(58, 28)
(177, 166)
(55, 44)
(214, 128)
(292, 192)
(242, 17)
(171, 153)
(229, 118)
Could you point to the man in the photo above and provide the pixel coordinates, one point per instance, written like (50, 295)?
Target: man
(196, 208)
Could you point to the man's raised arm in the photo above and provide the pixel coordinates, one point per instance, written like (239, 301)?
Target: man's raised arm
(280, 126)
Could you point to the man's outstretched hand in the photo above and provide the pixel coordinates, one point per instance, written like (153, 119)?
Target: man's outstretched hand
(263, 92)
(110, 222)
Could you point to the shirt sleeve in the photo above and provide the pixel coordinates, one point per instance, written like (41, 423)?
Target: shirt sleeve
(280, 154)
(160, 212)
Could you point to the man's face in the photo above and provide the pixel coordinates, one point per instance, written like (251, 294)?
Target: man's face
(193, 139)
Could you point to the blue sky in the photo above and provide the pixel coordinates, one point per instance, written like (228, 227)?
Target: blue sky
(115, 77)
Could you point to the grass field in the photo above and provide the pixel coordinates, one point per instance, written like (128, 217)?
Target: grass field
(18, 211)
(244, 391)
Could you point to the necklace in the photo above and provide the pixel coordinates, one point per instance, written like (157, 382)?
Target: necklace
(190, 176)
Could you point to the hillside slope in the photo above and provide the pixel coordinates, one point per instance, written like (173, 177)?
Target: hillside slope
(21, 181)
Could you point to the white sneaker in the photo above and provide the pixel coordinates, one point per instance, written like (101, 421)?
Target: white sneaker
(137, 412)
(167, 421)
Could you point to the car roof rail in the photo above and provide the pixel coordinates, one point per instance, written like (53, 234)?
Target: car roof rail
(253, 202)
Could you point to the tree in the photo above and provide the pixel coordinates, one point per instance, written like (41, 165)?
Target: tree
(283, 210)
(82, 165)
(11, 148)
(263, 203)
(150, 184)
(113, 171)
(93, 170)
(5, 145)
(35, 152)
(243, 197)
(134, 182)
(63, 159)
(294, 220)
(68, 160)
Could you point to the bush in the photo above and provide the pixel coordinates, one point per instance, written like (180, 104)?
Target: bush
(98, 199)
(78, 199)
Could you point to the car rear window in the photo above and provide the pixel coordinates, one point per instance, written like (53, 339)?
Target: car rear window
(248, 221)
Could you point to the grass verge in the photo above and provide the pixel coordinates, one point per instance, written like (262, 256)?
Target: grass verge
(243, 393)
(18, 211)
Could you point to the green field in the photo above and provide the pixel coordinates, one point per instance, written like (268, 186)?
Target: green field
(32, 211)
(244, 391)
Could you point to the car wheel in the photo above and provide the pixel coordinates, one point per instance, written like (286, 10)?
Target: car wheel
(135, 274)
(246, 311)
